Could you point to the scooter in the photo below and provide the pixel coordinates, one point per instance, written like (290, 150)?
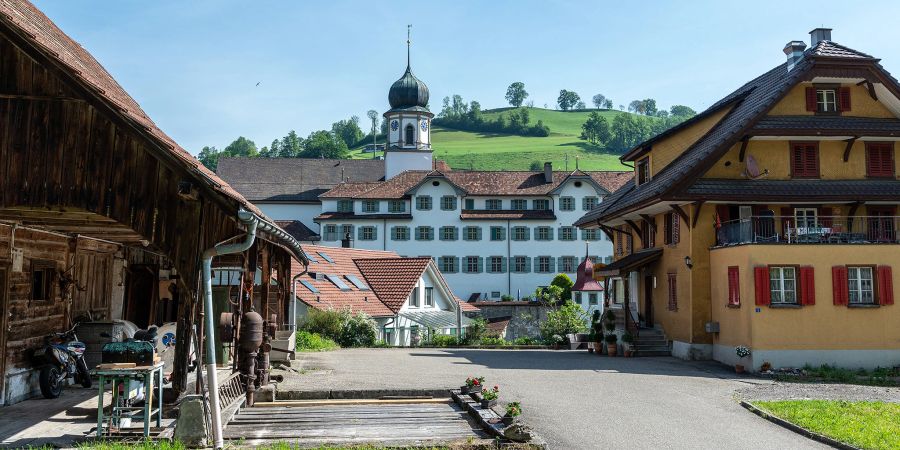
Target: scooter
(63, 357)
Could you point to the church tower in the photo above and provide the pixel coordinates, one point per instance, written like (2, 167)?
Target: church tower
(409, 124)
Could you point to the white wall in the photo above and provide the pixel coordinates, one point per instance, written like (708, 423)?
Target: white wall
(398, 161)
(464, 284)
(305, 213)
(442, 302)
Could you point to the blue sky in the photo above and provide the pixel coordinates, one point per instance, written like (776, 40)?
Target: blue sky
(194, 65)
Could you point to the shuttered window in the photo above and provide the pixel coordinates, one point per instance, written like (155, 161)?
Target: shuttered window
(807, 286)
(885, 285)
(805, 160)
(671, 231)
(673, 292)
(861, 285)
(880, 159)
(448, 264)
(761, 285)
(734, 286)
(783, 285)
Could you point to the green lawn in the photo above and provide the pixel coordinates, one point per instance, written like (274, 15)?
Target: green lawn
(313, 342)
(494, 151)
(868, 425)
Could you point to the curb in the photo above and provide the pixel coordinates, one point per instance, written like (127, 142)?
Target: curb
(797, 429)
(365, 394)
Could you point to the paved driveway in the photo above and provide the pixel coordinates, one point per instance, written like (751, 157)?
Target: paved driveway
(573, 399)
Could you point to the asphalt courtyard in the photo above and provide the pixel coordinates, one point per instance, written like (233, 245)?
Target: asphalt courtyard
(572, 399)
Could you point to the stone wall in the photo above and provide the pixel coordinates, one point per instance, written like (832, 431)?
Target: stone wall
(525, 317)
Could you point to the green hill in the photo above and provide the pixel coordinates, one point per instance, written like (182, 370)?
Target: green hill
(494, 151)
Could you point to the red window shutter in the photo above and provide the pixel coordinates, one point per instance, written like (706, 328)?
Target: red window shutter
(885, 285)
(811, 99)
(734, 286)
(839, 285)
(807, 286)
(880, 160)
(761, 281)
(845, 98)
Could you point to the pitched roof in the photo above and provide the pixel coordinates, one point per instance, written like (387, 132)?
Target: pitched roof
(780, 190)
(392, 279)
(752, 101)
(298, 230)
(528, 214)
(295, 179)
(30, 24)
(827, 125)
(482, 183)
(584, 280)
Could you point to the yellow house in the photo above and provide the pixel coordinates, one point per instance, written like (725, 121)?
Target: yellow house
(769, 220)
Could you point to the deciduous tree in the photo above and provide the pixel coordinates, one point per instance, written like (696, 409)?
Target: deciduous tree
(567, 99)
(516, 94)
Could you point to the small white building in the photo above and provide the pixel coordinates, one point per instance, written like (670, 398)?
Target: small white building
(407, 297)
(587, 292)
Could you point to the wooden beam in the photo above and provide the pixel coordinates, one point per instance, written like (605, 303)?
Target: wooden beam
(682, 214)
(634, 226)
(849, 146)
(650, 221)
(697, 207)
(744, 141)
(607, 231)
(871, 88)
(41, 98)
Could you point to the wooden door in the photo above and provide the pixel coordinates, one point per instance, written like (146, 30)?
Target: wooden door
(648, 301)
(4, 329)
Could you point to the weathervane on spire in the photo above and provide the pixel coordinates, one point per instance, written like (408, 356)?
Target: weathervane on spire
(408, 31)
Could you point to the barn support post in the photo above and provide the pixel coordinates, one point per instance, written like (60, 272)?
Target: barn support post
(212, 382)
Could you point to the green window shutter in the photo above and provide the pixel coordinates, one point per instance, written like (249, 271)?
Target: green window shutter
(455, 264)
(503, 264)
(552, 264)
(527, 233)
(480, 264)
(374, 233)
(359, 233)
(478, 234)
(527, 264)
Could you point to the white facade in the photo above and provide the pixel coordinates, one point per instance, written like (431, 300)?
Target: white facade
(304, 212)
(409, 142)
(401, 331)
(492, 263)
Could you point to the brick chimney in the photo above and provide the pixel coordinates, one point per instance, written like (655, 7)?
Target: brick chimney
(548, 172)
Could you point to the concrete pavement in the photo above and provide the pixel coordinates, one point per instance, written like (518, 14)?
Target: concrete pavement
(573, 399)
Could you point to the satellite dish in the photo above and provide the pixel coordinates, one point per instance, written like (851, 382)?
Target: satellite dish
(751, 169)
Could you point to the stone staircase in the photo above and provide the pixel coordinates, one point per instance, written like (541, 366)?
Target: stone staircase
(651, 342)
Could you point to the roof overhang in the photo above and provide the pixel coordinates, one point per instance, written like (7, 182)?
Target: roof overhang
(633, 261)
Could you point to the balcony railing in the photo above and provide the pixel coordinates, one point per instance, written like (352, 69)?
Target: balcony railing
(818, 230)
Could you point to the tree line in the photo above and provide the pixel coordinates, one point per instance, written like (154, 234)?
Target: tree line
(627, 130)
(331, 144)
(456, 113)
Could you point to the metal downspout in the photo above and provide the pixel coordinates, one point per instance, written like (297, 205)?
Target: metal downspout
(251, 220)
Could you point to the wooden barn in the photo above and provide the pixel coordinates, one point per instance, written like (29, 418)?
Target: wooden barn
(103, 216)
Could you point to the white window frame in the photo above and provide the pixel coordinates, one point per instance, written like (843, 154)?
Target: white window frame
(469, 261)
(368, 233)
(498, 268)
(429, 296)
(493, 204)
(567, 263)
(590, 202)
(518, 204)
(414, 297)
(397, 206)
(423, 203)
(342, 206)
(567, 203)
(780, 285)
(540, 204)
(515, 264)
(858, 294)
(371, 206)
(471, 233)
(567, 234)
(448, 199)
(827, 100)
(802, 217)
(543, 264)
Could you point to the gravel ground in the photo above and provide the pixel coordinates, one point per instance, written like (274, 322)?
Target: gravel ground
(572, 399)
(818, 391)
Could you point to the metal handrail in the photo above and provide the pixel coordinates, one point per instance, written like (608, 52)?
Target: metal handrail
(819, 230)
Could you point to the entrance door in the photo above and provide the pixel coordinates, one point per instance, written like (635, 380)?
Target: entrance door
(140, 294)
(648, 301)
(4, 324)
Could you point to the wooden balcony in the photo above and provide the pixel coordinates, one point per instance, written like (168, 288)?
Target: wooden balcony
(773, 229)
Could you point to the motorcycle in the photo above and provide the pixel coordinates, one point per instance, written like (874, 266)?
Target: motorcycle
(63, 357)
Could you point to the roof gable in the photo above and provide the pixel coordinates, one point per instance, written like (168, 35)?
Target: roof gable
(392, 279)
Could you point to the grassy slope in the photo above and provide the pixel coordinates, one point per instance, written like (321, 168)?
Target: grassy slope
(868, 425)
(492, 151)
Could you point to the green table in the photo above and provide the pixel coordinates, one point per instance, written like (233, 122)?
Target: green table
(148, 376)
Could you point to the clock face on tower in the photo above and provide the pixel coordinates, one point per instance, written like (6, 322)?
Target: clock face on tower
(424, 125)
(395, 125)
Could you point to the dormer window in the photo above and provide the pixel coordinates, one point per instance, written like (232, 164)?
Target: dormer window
(410, 134)
(827, 99)
(643, 171)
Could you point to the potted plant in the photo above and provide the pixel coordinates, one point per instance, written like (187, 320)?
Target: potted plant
(592, 336)
(741, 352)
(557, 341)
(627, 341)
(611, 344)
(513, 410)
(489, 397)
(473, 384)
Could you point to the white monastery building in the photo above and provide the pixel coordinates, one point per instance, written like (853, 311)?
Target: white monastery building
(491, 233)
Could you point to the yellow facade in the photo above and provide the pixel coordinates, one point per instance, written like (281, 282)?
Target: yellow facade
(861, 104)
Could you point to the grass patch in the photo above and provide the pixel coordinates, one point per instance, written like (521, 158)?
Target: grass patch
(169, 445)
(881, 376)
(313, 342)
(869, 425)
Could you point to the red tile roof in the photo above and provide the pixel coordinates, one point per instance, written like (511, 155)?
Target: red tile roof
(393, 278)
(509, 214)
(502, 183)
(584, 280)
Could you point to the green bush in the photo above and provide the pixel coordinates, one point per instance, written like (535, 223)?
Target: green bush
(525, 340)
(473, 334)
(313, 342)
(327, 323)
(493, 340)
(568, 318)
(506, 298)
(358, 331)
(444, 340)
(565, 283)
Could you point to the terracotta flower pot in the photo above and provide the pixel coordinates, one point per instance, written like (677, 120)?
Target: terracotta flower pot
(739, 368)
(628, 353)
(611, 349)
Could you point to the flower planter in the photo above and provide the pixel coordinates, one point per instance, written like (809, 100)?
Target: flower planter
(598, 348)
(485, 404)
(627, 353)
(739, 368)
(590, 349)
(464, 389)
(507, 420)
(611, 349)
